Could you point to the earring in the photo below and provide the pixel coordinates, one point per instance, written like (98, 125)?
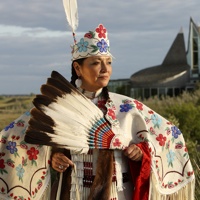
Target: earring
(78, 82)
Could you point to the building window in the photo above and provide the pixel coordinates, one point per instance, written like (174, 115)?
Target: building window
(146, 93)
(154, 91)
(162, 92)
(177, 91)
(195, 53)
(170, 92)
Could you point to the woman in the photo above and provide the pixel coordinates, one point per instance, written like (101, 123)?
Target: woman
(95, 72)
(90, 74)
(152, 164)
(146, 169)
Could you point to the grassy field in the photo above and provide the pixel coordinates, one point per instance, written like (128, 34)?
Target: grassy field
(11, 107)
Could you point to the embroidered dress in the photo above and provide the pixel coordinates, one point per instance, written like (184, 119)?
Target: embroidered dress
(24, 168)
(165, 170)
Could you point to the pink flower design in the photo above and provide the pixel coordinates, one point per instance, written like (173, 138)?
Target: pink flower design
(111, 114)
(161, 139)
(179, 146)
(101, 31)
(3, 140)
(20, 123)
(139, 105)
(152, 130)
(117, 142)
(88, 35)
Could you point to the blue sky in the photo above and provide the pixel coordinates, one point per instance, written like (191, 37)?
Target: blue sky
(35, 38)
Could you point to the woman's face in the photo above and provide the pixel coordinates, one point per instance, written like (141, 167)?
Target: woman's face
(95, 72)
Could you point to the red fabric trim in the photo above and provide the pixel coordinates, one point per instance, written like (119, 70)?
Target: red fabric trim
(140, 172)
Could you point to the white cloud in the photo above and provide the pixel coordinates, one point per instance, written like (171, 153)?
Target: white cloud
(35, 37)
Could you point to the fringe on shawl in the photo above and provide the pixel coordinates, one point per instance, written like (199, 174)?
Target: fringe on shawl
(187, 192)
(47, 192)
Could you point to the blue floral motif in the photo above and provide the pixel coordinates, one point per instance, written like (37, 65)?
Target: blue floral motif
(27, 113)
(156, 120)
(82, 45)
(175, 132)
(170, 158)
(125, 107)
(11, 125)
(11, 147)
(20, 171)
(103, 46)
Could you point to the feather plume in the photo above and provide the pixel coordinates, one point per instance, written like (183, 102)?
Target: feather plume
(71, 11)
(64, 117)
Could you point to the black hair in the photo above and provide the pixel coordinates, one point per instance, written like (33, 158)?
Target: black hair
(74, 77)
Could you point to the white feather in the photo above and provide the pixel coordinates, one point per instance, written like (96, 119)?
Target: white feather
(74, 122)
(71, 11)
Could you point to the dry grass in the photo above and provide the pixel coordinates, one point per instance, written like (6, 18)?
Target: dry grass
(11, 107)
(196, 165)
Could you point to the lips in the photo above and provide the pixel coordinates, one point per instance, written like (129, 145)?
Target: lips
(103, 76)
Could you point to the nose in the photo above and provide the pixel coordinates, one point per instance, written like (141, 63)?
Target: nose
(104, 67)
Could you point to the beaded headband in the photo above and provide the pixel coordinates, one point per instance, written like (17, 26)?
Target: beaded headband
(94, 43)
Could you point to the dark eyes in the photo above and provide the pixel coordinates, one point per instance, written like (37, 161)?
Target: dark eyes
(99, 63)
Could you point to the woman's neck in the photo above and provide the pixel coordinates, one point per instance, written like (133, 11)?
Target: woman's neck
(90, 95)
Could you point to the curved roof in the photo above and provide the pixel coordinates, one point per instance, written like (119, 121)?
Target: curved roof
(174, 66)
(159, 74)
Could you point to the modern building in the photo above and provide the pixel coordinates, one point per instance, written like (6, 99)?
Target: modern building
(179, 71)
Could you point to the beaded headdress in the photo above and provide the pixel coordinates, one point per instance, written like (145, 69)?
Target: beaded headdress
(94, 43)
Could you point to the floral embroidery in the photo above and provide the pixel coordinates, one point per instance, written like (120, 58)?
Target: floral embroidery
(125, 107)
(3, 139)
(11, 147)
(33, 155)
(20, 123)
(175, 132)
(102, 45)
(23, 145)
(15, 162)
(27, 113)
(2, 191)
(111, 113)
(179, 145)
(139, 105)
(101, 31)
(150, 112)
(20, 172)
(147, 120)
(168, 131)
(11, 125)
(117, 142)
(170, 158)
(156, 120)
(162, 139)
(168, 144)
(186, 153)
(189, 174)
(89, 35)
(10, 163)
(82, 45)
(2, 165)
(152, 131)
